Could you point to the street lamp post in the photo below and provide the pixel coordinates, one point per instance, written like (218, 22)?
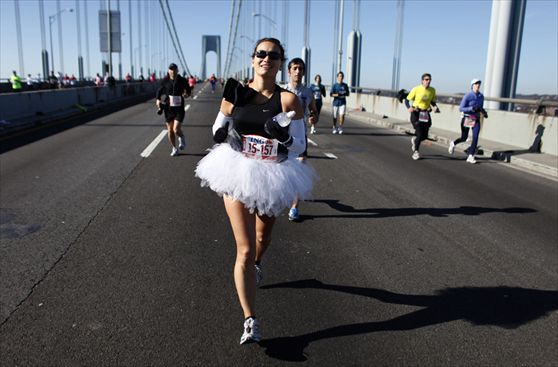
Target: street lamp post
(51, 20)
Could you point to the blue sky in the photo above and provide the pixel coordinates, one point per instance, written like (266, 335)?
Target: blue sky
(446, 38)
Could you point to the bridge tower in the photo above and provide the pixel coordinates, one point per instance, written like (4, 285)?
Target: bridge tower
(504, 46)
(211, 43)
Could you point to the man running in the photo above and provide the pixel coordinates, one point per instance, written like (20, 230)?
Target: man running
(175, 88)
(339, 92)
(296, 69)
(423, 97)
(213, 81)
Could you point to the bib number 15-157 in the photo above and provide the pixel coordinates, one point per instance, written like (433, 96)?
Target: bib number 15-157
(256, 146)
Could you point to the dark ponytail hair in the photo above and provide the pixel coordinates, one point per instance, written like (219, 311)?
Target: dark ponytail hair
(275, 41)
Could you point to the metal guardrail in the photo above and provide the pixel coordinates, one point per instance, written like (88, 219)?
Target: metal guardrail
(458, 97)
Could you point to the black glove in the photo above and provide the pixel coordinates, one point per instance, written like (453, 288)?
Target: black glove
(273, 128)
(476, 109)
(485, 114)
(221, 134)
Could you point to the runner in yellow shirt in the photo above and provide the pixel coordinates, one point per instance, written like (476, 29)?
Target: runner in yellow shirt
(424, 98)
(16, 82)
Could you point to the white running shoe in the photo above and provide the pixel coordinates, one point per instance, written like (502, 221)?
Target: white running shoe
(259, 274)
(339, 130)
(471, 159)
(413, 140)
(251, 331)
(174, 152)
(334, 130)
(416, 155)
(181, 143)
(451, 148)
(312, 130)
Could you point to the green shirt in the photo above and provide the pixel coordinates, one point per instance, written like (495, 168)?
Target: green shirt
(16, 82)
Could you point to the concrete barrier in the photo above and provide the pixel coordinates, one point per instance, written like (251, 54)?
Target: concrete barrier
(24, 109)
(521, 130)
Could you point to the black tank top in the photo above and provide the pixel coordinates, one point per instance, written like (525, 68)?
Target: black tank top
(250, 118)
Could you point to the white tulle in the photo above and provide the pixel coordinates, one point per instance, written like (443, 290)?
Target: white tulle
(266, 187)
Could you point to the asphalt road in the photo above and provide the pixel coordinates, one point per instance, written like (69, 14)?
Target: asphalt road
(109, 258)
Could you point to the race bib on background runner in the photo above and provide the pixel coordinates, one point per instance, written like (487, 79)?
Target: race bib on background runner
(470, 121)
(256, 146)
(175, 101)
(424, 116)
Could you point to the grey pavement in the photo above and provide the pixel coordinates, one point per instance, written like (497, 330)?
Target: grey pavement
(537, 163)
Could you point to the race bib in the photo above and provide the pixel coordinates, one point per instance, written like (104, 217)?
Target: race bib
(255, 146)
(470, 121)
(175, 101)
(424, 116)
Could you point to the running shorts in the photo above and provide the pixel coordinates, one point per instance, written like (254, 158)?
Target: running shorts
(339, 111)
(174, 114)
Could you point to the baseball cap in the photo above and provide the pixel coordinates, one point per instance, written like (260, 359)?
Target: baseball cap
(173, 66)
(475, 81)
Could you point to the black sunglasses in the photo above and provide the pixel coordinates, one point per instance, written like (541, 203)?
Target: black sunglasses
(261, 54)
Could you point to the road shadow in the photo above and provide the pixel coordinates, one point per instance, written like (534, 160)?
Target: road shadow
(352, 212)
(442, 157)
(319, 157)
(504, 307)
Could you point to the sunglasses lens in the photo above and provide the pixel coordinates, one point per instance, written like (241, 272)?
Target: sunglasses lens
(272, 55)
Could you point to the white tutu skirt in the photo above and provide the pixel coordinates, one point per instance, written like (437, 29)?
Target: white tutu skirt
(264, 186)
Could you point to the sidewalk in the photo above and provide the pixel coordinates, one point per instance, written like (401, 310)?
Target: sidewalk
(543, 164)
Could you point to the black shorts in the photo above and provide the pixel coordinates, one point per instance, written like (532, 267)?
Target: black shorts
(174, 114)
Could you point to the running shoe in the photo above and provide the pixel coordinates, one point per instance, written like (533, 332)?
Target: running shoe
(334, 130)
(416, 155)
(413, 140)
(181, 143)
(451, 148)
(251, 331)
(259, 274)
(339, 130)
(471, 159)
(293, 214)
(174, 152)
(312, 130)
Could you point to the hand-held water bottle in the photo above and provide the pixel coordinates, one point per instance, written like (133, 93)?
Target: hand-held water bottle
(284, 118)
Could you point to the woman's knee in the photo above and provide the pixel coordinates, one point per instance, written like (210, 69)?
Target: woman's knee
(262, 238)
(245, 254)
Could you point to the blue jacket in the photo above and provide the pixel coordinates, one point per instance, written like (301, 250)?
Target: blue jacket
(471, 101)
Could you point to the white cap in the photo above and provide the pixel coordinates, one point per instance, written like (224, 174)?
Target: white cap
(475, 81)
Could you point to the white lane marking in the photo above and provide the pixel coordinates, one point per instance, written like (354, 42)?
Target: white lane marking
(195, 97)
(186, 108)
(312, 142)
(151, 147)
(330, 155)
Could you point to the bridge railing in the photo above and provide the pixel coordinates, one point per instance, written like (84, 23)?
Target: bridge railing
(25, 109)
(533, 126)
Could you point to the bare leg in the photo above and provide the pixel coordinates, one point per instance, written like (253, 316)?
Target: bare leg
(178, 129)
(170, 133)
(243, 226)
(264, 226)
(341, 120)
